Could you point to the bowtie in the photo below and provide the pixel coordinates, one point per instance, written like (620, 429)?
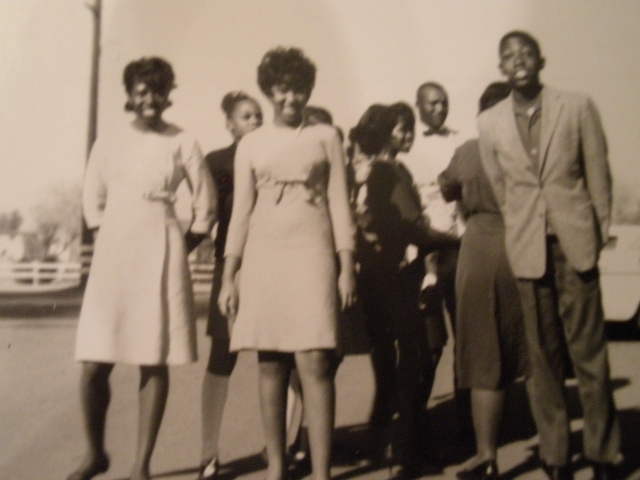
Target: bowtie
(441, 133)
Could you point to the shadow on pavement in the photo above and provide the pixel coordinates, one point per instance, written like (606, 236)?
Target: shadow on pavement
(622, 331)
(630, 426)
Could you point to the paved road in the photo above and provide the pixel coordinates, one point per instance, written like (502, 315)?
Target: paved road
(41, 431)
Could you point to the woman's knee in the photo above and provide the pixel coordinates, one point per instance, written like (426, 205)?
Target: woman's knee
(96, 372)
(318, 364)
(157, 372)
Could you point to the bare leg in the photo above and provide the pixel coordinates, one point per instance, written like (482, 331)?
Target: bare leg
(95, 395)
(486, 407)
(273, 378)
(152, 397)
(294, 409)
(214, 396)
(316, 368)
(215, 387)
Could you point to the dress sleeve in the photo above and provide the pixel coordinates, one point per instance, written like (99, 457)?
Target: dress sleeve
(94, 192)
(244, 196)
(339, 209)
(203, 190)
(449, 181)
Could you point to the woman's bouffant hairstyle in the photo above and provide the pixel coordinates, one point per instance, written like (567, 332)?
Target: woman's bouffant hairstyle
(286, 66)
(231, 99)
(373, 131)
(403, 111)
(494, 93)
(154, 71)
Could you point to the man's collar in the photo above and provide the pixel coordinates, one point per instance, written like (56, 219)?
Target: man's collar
(443, 132)
(529, 108)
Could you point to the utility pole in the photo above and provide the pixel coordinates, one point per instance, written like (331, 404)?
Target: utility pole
(96, 10)
(95, 7)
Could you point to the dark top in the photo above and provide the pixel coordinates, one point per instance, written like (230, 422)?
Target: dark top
(466, 181)
(392, 218)
(220, 164)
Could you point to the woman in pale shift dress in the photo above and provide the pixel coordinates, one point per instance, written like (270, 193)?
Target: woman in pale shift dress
(290, 218)
(138, 304)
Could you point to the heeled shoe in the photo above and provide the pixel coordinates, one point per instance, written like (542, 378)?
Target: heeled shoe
(484, 471)
(209, 469)
(101, 465)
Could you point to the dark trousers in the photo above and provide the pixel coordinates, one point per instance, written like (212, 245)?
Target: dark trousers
(563, 309)
(398, 345)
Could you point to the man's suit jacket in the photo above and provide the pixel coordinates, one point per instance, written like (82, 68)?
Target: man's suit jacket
(570, 190)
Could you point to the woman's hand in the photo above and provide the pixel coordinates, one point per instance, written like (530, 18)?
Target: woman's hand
(228, 299)
(346, 280)
(229, 296)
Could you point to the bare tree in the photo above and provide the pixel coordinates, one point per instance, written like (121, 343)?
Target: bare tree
(10, 223)
(58, 216)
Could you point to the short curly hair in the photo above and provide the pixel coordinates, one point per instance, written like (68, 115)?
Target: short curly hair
(287, 66)
(373, 131)
(156, 72)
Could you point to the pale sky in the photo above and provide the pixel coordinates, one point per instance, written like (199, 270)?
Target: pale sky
(366, 51)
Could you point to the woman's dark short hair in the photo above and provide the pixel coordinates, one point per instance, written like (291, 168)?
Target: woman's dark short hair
(494, 93)
(231, 99)
(154, 71)
(286, 66)
(522, 35)
(403, 111)
(373, 131)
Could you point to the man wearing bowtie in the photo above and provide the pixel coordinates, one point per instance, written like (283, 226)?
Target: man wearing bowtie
(433, 147)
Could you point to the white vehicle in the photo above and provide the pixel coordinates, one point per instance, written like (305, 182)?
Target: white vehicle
(620, 274)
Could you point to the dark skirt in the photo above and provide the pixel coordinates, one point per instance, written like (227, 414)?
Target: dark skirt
(490, 344)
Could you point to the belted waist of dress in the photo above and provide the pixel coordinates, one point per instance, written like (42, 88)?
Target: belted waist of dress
(282, 184)
(160, 196)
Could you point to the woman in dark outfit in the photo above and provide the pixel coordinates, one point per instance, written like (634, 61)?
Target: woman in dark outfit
(243, 115)
(490, 346)
(389, 219)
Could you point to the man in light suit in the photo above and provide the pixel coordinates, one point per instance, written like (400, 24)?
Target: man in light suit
(546, 156)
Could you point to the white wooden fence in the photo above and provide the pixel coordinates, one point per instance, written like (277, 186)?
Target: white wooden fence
(41, 277)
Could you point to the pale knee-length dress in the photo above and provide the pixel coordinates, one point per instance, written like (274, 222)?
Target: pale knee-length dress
(290, 217)
(138, 304)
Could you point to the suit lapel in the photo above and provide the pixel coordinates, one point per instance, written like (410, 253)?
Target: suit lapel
(551, 108)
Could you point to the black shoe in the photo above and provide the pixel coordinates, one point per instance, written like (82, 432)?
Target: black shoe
(88, 471)
(555, 472)
(484, 471)
(605, 471)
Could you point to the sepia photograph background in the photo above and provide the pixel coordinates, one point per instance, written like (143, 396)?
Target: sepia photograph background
(366, 51)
